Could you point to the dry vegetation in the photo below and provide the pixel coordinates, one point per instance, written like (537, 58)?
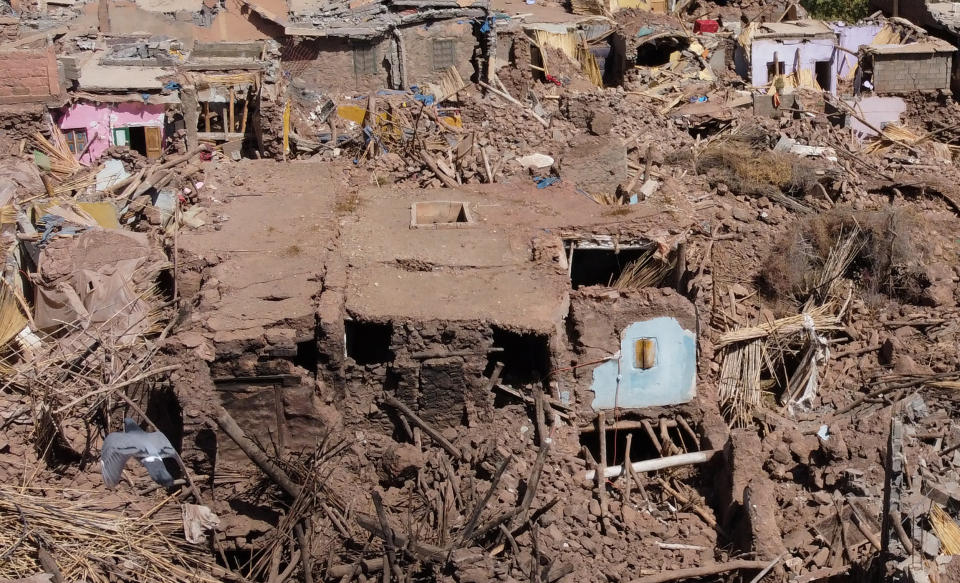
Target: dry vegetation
(888, 262)
(757, 173)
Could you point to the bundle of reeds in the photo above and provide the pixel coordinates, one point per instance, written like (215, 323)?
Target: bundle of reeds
(739, 388)
(841, 255)
(62, 162)
(895, 134)
(822, 316)
(946, 529)
(646, 271)
(89, 543)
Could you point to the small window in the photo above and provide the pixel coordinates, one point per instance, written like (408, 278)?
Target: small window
(121, 137)
(444, 53)
(775, 68)
(365, 60)
(76, 140)
(645, 353)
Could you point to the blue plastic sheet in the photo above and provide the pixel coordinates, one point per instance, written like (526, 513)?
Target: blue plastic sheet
(545, 181)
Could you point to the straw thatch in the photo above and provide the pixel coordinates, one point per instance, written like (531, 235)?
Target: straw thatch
(946, 529)
(646, 271)
(91, 543)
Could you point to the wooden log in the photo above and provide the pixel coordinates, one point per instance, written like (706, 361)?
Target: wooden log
(367, 565)
(678, 574)
(653, 436)
(684, 459)
(246, 114)
(232, 125)
(861, 525)
(626, 466)
(390, 551)
(256, 455)
(682, 423)
(49, 564)
(427, 354)
(540, 415)
(486, 164)
(305, 553)
(424, 551)
(165, 166)
(670, 447)
(512, 100)
(559, 408)
(622, 425)
(432, 165)
(294, 560)
(532, 483)
(475, 515)
(601, 469)
(426, 427)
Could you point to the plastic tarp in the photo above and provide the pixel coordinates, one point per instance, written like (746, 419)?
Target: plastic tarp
(18, 175)
(90, 281)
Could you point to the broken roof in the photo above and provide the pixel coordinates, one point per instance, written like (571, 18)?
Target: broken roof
(498, 267)
(168, 6)
(225, 56)
(454, 274)
(792, 30)
(97, 77)
(930, 45)
(947, 14)
(373, 18)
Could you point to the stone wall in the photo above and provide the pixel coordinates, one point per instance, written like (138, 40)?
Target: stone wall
(343, 66)
(903, 73)
(28, 76)
(19, 122)
(9, 28)
(330, 65)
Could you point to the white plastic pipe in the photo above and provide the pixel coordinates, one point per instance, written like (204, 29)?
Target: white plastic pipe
(697, 457)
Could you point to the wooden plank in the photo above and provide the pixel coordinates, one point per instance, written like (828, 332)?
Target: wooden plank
(154, 140)
(246, 114)
(206, 116)
(231, 127)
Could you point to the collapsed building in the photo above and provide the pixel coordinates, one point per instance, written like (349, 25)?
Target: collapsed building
(512, 293)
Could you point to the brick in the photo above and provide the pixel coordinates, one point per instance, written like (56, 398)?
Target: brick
(21, 91)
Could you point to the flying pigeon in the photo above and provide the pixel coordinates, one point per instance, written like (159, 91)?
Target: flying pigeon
(149, 448)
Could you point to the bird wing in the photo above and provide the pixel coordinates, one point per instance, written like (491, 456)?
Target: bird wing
(117, 448)
(157, 447)
(157, 470)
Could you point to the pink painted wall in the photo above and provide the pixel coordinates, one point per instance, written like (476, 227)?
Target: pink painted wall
(99, 119)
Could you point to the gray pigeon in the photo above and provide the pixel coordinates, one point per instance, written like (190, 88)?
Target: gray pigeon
(149, 448)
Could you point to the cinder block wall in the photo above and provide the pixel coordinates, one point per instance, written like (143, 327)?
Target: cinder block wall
(28, 76)
(917, 72)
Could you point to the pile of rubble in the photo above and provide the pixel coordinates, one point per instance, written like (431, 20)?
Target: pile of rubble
(605, 311)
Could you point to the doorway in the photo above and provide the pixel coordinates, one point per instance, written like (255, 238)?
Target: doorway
(146, 140)
(824, 73)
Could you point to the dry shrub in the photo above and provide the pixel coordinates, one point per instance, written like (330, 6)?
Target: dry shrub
(889, 262)
(756, 172)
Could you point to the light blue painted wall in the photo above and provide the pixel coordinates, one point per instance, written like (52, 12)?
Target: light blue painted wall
(671, 381)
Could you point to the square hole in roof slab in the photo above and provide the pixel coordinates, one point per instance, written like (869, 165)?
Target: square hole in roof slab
(440, 214)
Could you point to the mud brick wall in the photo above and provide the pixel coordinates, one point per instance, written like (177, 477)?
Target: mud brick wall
(28, 76)
(330, 65)
(18, 122)
(916, 72)
(9, 28)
